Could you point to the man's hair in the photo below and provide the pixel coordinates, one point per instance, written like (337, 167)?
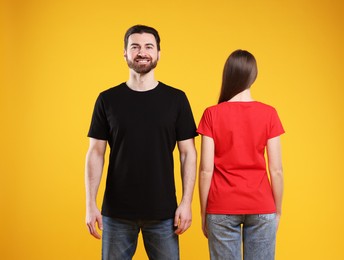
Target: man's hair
(239, 73)
(141, 29)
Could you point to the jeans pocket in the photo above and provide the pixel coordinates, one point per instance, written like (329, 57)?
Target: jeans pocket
(267, 217)
(216, 218)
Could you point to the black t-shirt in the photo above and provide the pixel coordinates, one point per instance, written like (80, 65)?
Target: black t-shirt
(142, 129)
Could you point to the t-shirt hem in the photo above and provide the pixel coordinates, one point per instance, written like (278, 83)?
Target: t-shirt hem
(204, 133)
(137, 216)
(276, 134)
(240, 212)
(97, 137)
(187, 137)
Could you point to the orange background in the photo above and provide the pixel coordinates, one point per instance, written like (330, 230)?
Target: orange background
(56, 56)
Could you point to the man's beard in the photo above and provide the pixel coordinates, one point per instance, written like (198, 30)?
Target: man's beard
(142, 68)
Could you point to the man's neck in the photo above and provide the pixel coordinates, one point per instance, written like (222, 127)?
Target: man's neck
(141, 82)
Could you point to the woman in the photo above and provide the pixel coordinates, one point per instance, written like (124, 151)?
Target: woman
(238, 200)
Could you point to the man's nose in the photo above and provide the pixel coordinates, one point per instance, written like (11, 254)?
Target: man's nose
(141, 53)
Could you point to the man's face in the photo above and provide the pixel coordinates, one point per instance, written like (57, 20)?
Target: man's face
(142, 54)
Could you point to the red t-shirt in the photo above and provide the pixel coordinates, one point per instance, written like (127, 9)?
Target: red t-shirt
(240, 130)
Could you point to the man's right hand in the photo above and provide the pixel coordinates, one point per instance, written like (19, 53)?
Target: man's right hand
(94, 216)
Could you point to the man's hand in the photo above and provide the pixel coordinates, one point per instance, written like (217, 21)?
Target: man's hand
(94, 216)
(183, 217)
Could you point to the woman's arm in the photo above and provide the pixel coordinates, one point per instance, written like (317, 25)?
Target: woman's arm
(205, 174)
(276, 172)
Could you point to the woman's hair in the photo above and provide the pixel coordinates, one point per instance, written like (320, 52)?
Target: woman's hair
(239, 73)
(141, 29)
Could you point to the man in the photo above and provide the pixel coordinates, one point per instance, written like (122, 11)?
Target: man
(142, 120)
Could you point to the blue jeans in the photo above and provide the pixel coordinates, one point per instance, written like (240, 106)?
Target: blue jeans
(256, 232)
(120, 239)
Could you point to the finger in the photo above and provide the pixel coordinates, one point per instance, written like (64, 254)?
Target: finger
(95, 234)
(178, 228)
(177, 231)
(176, 220)
(100, 223)
(187, 224)
(93, 231)
(183, 226)
(205, 232)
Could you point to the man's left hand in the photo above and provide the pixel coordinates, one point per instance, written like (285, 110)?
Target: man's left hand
(182, 219)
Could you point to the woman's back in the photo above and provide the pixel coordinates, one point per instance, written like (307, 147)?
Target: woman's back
(240, 131)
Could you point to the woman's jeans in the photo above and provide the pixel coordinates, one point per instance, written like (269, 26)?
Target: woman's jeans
(257, 233)
(120, 239)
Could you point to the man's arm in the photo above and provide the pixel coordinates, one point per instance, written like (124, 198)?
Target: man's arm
(188, 160)
(93, 174)
(205, 175)
(276, 173)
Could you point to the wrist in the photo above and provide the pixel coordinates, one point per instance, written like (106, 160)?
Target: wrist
(186, 200)
(91, 204)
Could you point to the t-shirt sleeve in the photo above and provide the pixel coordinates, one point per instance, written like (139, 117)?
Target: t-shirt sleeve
(99, 128)
(186, 126)
(205, 124)
(276, 128)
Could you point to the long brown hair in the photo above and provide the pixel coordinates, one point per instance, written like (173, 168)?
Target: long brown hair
(239, 73)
